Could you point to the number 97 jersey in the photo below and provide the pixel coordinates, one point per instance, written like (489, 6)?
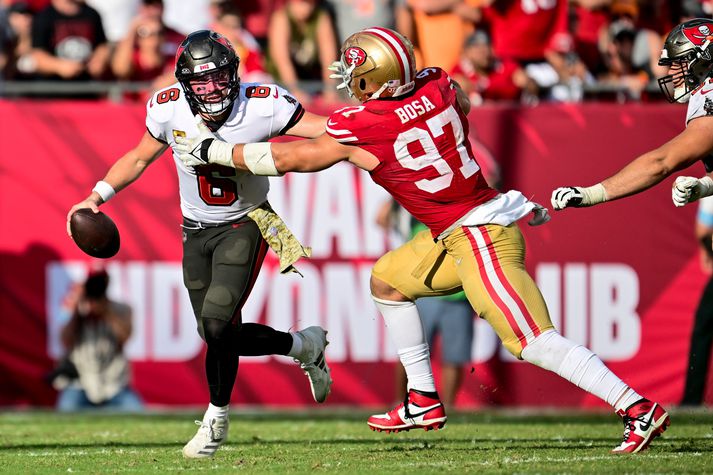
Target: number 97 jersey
(421, 142)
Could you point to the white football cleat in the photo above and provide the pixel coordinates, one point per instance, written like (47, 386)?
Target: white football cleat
(209, 437)
(312, 362)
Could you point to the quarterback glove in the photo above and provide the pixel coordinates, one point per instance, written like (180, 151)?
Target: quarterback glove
(541, 215)
(577, 197)
(203, 149)
(687, 189)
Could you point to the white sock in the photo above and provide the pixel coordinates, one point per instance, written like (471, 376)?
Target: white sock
(417, 363)
(580, 366)
(216, 412)
(296, 349)
(404, 326)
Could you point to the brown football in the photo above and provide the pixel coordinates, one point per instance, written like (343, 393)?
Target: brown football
(95, 234)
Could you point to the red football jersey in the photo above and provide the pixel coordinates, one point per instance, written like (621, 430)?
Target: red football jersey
(522, 30)
(421, 141)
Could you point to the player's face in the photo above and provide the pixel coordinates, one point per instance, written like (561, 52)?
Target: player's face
(676, 70)
(211, 88)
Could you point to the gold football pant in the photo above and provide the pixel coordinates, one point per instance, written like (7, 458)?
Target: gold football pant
(488, 263)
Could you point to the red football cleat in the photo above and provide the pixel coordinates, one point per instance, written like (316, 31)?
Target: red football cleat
(418, 411)
(643, 422)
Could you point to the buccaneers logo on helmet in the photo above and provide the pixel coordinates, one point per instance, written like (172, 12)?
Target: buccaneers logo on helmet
(687, 53)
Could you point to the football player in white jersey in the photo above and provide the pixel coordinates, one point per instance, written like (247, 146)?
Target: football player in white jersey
(688, 52)
(222, 246)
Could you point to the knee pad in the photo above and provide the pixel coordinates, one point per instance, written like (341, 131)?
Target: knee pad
(217, 332)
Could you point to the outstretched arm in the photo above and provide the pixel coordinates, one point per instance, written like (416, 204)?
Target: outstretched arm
(645, 171)
(265, 158)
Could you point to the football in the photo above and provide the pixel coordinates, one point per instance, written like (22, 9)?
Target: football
(95, 234)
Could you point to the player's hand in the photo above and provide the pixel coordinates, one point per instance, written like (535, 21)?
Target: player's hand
(566, 197)
(87, 203)
(204, 148)
(194, 150)
(541, 215)
(686, 189)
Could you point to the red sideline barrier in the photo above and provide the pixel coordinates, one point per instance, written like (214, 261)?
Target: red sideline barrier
(622, 278)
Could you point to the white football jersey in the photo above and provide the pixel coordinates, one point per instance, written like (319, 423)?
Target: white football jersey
(212, 193)
(701, 101)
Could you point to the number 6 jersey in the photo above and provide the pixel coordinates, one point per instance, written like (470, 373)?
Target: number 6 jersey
(213, 194)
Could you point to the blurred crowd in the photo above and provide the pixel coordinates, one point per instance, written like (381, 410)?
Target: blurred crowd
(514, 50)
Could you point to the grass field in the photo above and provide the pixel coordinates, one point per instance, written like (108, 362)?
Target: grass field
(336, 441)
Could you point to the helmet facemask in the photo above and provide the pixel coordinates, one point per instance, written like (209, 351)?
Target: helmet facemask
(213, 92)
(687, 53)
(685, 74)
(207, 69)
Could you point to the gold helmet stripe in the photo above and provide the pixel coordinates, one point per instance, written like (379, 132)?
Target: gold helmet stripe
(398, 47)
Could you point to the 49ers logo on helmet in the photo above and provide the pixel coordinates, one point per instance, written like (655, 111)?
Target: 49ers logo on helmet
(354, 56)
(699, 34)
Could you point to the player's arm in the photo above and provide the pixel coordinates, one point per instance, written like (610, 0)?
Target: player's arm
(124, 171)
(310, 126)
(694, 143)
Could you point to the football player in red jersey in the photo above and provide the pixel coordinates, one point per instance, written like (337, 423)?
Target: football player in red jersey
(687, 52)
(411, 133)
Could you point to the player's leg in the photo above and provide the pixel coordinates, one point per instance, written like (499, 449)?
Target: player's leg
(394, 290)
(501, 291)
(236, 253)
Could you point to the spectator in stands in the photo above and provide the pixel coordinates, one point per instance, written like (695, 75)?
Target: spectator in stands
(186, 16)
(702, 335)
(116, 16)
(622, 68)
(484, 77)
(351, 16)
(638, 49)
(94, 338)
(68, 41)
(587, 20)
(16, 60)
(256, 17)
(153, 9)
(440, 28)
(536, 35)
(229, 24)
(140, 56)
(302, 45)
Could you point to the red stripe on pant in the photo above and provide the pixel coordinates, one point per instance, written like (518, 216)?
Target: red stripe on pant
(261, 253)
(508, 287)
(489, 286)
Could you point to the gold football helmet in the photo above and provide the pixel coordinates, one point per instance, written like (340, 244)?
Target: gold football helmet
(376, 62)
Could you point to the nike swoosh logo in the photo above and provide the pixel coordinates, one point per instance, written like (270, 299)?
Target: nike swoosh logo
(627, 445)
(646, 424)
(425, 410)
(704, 92)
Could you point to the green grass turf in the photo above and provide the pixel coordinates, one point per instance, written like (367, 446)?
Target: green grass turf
(330, 441)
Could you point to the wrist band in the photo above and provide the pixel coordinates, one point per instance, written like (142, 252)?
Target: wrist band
(593, 195)
(258, 159)
(105, 190)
